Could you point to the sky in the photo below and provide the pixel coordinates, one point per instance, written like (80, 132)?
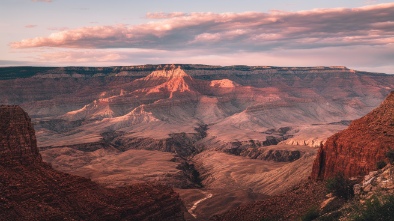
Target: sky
(358, 34)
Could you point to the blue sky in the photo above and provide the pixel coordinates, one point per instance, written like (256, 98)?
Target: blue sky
(354, 33)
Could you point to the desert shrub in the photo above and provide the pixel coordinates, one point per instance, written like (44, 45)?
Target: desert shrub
(381, 164)
(390, 155)
(376, 209)
(334, 216)
(340, 186)
(311, 214)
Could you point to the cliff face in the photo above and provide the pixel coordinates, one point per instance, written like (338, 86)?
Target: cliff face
(32, 190)
(356, 150)
(17, 137)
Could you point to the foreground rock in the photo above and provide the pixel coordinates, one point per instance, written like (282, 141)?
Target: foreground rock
(356, 150)
(32, 190)
(376, 182)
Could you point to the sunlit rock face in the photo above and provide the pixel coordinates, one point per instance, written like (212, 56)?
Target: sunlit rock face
(238, 103)
(356, 150)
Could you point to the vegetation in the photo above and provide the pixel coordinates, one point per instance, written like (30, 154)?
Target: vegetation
(376, 209)
(381, 164)
(390, 155)
(340, 186)
(265, 219)
(311, 214)
(334, 216)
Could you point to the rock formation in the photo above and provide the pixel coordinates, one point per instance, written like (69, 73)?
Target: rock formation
(356, 150)
(239, 103)
(31, 190)
(17, 137)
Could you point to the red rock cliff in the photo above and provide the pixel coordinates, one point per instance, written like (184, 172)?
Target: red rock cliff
(32, 190)
(356, 150)
(17, 137)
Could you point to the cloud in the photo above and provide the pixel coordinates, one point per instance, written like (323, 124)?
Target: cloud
(355, 37)
(30, 26)
(41, 0)
(250, 31)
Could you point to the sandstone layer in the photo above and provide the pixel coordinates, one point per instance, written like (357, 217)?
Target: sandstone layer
(356, 150)
(32, 190)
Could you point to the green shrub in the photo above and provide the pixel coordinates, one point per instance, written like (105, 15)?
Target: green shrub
(334, 216)
(340, 186)
(381, 164)
(390, 155)
(376, 209)
(311, 214)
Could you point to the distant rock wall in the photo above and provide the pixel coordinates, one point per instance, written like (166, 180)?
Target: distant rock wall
(272, 155)
(356, 150)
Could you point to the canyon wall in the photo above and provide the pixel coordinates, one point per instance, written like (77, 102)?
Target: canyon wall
(356, 150)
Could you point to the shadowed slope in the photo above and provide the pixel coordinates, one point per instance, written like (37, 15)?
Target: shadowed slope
(32, 190)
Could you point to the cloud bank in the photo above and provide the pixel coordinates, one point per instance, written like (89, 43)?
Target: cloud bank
(360, 38)
(248, 31)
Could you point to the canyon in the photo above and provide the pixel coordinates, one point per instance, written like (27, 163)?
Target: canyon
(354, 153)
(220, 136)
(32, 190)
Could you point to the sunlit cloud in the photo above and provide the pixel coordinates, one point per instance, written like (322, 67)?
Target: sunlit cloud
(253, 31)
(361, 36)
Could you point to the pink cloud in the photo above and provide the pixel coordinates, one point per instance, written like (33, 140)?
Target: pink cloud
(248, 31)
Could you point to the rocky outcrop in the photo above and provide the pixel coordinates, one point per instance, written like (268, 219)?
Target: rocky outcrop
(376, 182)
(17, 136)
(356, 150)
(32, 190)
